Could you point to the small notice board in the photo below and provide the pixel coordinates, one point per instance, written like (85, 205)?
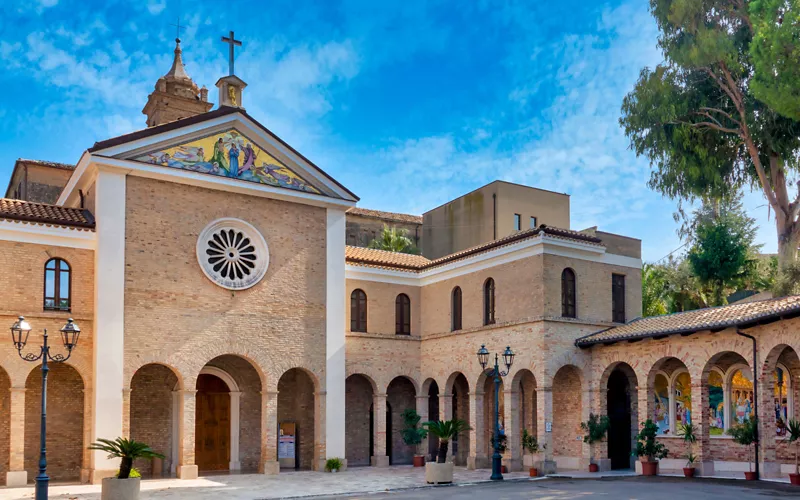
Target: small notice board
(287, 445)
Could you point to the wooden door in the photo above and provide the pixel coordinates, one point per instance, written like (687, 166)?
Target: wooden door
(212, 424)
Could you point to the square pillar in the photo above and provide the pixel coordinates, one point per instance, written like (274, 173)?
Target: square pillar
(422, 411)
(109, 324)
(335, 300)
(269, 433)
(544, 405)
(477, 440)
(187, 469)
(380, 459)
(702, 448)
(511, 422)
(16, 475)
(235, 464)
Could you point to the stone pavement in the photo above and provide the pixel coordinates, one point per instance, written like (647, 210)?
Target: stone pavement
(256, 487)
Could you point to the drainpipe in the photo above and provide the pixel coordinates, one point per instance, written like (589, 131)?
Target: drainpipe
(494, 215)
(755, 392)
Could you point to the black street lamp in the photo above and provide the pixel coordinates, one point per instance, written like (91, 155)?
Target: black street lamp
(508, 360)
(19, 334)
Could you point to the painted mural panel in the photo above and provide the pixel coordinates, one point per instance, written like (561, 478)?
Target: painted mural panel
(780, 384)
(716, 404)
(661, 404)
(229, 154)
(741, 396)
(683, 399)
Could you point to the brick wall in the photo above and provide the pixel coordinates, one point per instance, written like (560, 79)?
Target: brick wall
(381, 299)
(5, 424)
(151, 414)
(296, 404)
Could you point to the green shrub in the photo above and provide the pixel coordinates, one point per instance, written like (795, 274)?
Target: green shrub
(333, 464)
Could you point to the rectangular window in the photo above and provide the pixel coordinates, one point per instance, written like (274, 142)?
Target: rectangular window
(517, 222)
(533, 222)
(618, 298)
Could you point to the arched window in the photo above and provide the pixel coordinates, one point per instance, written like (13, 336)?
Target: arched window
(455, 309)
(57, 285)
(358, 311)
(568, 293)
(402, 312)
(488, 302)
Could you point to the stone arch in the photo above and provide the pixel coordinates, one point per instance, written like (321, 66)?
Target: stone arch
(410, 380)
(191, 365)
(153, 415)
(735, 370)
(154, 360)
(457, 400)
(451, 379)
(567, 390)
(360, 390)
(663, 403)
(401, 393)
(299, 409)
(620, 404)
(65, 419)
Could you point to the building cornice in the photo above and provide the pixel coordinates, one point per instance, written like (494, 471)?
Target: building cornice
(40, 234)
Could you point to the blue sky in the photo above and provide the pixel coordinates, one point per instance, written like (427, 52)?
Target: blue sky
(409, 104)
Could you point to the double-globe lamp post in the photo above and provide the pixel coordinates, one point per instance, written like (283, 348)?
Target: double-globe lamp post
(508, 360)
(19, 334)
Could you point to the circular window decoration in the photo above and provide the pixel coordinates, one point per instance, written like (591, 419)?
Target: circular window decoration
(232, 254)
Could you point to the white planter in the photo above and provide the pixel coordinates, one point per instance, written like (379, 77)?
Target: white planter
(438, 473)
(120, 489)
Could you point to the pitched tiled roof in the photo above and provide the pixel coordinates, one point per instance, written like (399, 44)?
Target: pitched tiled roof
(712, 318)
(388, 216)
(42, 213)
(45, 163)
(382, 258)
(399, 261)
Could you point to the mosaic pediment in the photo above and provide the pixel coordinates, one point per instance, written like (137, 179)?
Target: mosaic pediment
(229, 154)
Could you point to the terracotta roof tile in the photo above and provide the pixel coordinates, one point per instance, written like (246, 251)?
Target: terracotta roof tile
(416, 263)
(388, 216)
(712, 318)
(42, 213)
(45, 163)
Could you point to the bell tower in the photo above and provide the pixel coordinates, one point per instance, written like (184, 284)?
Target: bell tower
(175, 96)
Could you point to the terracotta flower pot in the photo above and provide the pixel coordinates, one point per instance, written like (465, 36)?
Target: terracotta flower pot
(750, 476)
(794, 479)
(419, 461)
(688, 471)
(649, 468)
(593, 468)
(535, 473)
(504, 469)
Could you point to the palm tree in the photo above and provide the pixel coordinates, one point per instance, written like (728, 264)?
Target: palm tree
(394, 239)
(126, 449)
(794, 437)
(445, 431)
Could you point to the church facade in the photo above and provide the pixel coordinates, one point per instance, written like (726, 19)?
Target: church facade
(226, 322)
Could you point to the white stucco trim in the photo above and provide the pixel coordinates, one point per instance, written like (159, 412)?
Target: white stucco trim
(58, 236)
(109, 300)
(223, 375)
(335, 373)
(538, 245)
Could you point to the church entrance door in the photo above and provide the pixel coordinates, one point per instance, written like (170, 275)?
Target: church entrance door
(619, 416)
(212, 423)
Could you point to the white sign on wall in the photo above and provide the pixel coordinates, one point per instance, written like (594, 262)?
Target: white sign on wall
(548, 426)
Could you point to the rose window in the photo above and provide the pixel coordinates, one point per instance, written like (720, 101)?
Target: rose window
(232, 254)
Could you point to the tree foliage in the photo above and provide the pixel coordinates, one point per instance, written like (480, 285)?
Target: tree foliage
(713, 117)
(393, 239)
(126, 449)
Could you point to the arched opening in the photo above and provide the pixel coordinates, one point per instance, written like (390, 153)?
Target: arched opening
(524, 384)
(400, 395)
(64, 422)
(670, 402)
(489, 411)
(433, 416)
(5, 428)
(780, 373)
(296, 420)
(152, 413)
(729, 382)
(460, 410)
(567, 416)
(358, 394)
(622, 415)
(228, 415)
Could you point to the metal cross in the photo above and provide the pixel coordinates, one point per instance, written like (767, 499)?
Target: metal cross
(178, 28)
(231, 41)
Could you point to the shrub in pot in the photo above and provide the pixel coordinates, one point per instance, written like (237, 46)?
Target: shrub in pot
(441, 471)
(531, 445)
(413, 434)
(595, 428)
(794, 437)
(333, 464)
(746, 434)
(689, 437)
(125, 485)
(648, 448)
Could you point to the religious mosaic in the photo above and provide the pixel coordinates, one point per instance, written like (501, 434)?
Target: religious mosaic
(683, 399)
(716, 404)
(780, 384)
(661, 404)
(741, 397)
(229, 154)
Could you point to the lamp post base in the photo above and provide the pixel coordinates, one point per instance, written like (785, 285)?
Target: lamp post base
(497, 474)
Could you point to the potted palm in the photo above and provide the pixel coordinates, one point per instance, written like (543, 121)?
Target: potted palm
(746, 434)
(595, 428)
(413, 434)
(531, 445)
(123, 486)
(441, 471)
(794, 437)
(689, 437)
(648, 448)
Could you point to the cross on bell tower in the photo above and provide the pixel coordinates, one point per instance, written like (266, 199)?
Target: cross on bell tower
(231, 86)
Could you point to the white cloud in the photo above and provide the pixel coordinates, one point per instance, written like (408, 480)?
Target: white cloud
(155, 7)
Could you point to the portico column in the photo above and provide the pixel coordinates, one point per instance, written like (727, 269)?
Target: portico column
(544, 422)
(126, 413)
(770, 466)
(269, 433)
(511, 416)
(422, 411)
(446, 413)
(700, 414)
(335, 300)
(187, 469)
(16, 475)
(379, 459)
(109, 325)
(234, 440)
(477, 441)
